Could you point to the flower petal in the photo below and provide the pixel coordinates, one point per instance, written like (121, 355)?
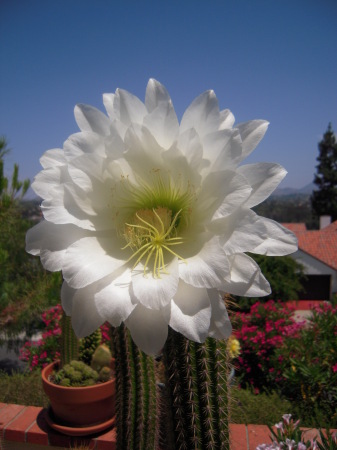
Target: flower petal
(85, 318)
(84, 142)
(163, 124)
(202, 114)
(226, 119)
(51, 241)
(90, 259)
(113, 301)
(251, 134)
(156, 94)
(223, 149)
(207, 267)
(264, 178)
(148, 329)
(131, 109)
(221, 194)
(220, 327)
(89, 118)
(245, 278)
(154, 292)
(189, 312)
(245, 231)
(52, 158)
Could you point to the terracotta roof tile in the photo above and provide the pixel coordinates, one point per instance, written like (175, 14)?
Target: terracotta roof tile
(321, 244)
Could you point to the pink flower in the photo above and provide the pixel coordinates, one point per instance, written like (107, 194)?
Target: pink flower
(334, 368)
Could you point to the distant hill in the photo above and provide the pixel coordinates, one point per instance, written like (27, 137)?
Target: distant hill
(283, 192)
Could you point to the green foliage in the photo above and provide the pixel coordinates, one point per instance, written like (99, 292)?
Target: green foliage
(26, 289)
(197, 377)
(287, 208)
(22, 389)
(285, 276)
(247, 407)
(324, 199)
(10, 192)
(310, 367)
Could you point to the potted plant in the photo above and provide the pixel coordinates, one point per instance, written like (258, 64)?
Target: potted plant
(82, 396)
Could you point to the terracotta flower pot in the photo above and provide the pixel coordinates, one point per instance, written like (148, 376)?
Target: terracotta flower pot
(78, 407)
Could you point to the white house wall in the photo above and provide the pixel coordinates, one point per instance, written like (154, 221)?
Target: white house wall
(313, 266)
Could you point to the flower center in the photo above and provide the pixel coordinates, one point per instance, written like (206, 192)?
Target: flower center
(150, 235)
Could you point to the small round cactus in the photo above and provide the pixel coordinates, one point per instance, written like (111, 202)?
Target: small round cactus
(101, 357)
(75, 374)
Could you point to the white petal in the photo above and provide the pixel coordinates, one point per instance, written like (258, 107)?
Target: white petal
(148, 329)
(190, 145)
(131, 109)
(189, 312)
(67, 296)
(154, 292)
(85, 318)
(60, 208)
(226, 119)
(279, 241)
(156, 94)
(163, 124)
(223, 149)
(251, 134)
(113, 302)
(91, 259)
(220, 327)
(49, 178)
(89, 118)
(52, 158)
(245, 231)
(245, 278)
(34, 239)
(51, 242)
(83, 142)
(264, 178)
(143, 151)
(221, 194)
(202, 114)
(207, 268)
(109, 101)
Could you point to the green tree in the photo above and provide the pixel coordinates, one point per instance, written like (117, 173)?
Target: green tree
(324, 199)
(25, 287)
(10, 192)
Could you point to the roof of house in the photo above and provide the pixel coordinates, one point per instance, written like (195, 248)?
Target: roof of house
(321, 244)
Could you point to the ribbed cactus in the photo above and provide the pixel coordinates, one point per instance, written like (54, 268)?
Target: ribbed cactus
(88, 346)
(197, 377)
(69, 341)
(136, 393)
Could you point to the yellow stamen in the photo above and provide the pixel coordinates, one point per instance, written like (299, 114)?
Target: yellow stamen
(151, 232)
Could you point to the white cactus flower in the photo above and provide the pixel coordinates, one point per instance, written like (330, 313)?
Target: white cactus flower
(149, 220)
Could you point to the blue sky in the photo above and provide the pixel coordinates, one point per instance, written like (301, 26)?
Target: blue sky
(265, 59)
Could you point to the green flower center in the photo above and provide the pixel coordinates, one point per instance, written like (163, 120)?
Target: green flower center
(151, 234)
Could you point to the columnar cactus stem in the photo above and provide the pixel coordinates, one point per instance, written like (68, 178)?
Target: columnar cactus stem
(197, 381)
(69, 341)
(136, 393)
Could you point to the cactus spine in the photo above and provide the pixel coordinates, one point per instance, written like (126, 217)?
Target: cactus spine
(69, 341)
(136, 393)
(197, 377)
